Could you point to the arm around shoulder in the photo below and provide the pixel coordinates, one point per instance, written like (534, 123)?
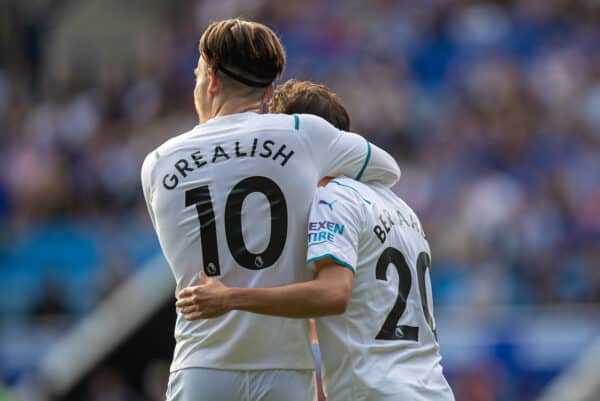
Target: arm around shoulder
(380, 167)
(328, 294)
(339, 153)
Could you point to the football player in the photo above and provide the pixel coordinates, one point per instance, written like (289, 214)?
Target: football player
(371, 291)
(233, 196)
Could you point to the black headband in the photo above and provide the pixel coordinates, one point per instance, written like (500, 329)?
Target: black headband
(245, 81)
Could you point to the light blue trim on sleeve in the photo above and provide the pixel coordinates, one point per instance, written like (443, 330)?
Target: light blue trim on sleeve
(296, 122)
(362, 170)
(336, 260)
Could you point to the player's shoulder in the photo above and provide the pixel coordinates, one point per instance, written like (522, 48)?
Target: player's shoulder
(348, 189)
(172, 144)
(270, 122)
(388, 196)
(311, 123)
(306, 123)
(371, 197)
(168, 147)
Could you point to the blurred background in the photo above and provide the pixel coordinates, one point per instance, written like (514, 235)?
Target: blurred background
(492, 110)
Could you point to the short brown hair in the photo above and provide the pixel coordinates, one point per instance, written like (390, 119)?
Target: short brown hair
(246, 51)
(310, 98)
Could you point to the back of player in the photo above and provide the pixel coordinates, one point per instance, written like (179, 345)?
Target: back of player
(384, 347)
(205, 181)
(233, 196)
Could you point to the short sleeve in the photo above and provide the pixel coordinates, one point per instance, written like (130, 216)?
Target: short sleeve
(334, 152)
(336, 216)
(147, 186)
(339, 153)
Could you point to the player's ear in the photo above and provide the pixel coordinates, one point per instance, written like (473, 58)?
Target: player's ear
(213, 81)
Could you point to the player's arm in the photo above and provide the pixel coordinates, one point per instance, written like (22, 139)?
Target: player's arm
(328, 294)
(340, 153)
(333, 231)
(380, 167)
(146, 178)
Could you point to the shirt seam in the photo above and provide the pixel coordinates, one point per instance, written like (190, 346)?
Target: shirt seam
(335, 259)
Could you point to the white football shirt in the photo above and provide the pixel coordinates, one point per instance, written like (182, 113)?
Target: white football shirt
(232, 197)
(384, 346)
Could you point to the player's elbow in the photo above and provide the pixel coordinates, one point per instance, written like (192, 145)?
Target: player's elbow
(396, 173)
(339, 306)
(338, 301)
(392, 174)
(385, 170)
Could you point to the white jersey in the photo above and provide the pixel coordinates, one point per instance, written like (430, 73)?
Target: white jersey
(384, 346)
(231, 197)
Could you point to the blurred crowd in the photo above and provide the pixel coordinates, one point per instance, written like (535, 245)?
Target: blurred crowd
(492, 110)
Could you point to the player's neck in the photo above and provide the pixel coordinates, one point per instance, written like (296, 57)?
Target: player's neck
(236, 106)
